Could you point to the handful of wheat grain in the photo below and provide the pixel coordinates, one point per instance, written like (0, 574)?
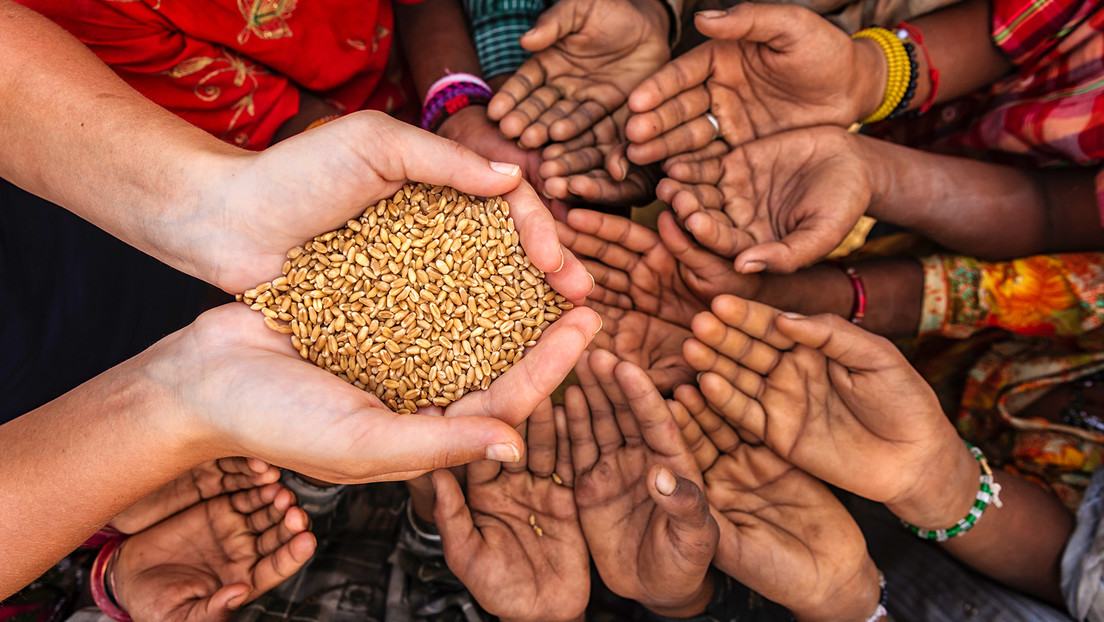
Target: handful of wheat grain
(425, 297)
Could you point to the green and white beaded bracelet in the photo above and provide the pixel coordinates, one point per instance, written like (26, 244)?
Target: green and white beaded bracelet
(988, 492)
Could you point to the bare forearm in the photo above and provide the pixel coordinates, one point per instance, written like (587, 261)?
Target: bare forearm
(1019, 544)
(70, 466)
(435, 40)
(981, 209)
(74, 133)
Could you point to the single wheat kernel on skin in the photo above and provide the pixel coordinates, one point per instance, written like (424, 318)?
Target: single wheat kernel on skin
(425, 297)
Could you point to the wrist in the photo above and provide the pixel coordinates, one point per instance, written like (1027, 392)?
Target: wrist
(459, 125)
(693, 605)
(857, 600)
(870, 78)
(945, 491)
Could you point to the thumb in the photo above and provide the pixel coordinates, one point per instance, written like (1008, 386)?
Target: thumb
(398, 151)
(798, 249)
(459, 537)
(775, 25)
(222, 604)
(841, 341)
(436, 442)
(690, 522)
(558, 21)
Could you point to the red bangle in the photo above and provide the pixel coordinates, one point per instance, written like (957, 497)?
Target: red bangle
(933, 73)
(102, 580)
(858, 308)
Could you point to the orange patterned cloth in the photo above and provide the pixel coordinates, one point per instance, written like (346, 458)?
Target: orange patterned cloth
(235, 67)
(1055, 305)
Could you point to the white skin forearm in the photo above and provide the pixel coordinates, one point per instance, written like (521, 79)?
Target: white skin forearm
(70, 466)
(74, 133)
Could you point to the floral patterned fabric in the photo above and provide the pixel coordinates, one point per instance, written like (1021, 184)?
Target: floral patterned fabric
(1055, 304)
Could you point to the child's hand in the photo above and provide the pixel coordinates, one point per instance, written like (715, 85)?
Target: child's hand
(773, 519)
(826, 396)
(767, 69)
(212, 558)
(776, 203)
(631, 267)
(638, 491)
(517, 544)
(593, 168)
(645, 341)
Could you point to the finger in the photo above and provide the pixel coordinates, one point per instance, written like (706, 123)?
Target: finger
(719, 434)
(263, 519)
(607, 246)
(603, 363)
(459, 537)
(693, 530)
(668, 376)
(803, 246)
(514, 394)
(737, 408)
(580, 119)
(715, 149)
(778, 26)
(249, 478)
(681, 74)
(603, 409)
(687, 199)
(522, 465)
(516, 88)
(221, 604)
(621, 232)
(555, 23)
(754, 319)
(613, 280)
(705, 453)
(252, 499)
(563, 469)
(537, 233)
(274, 569)
(485, 471)
(570, 163)
(841, 341)
(541, 440)
(598, 187)
(738, 346)
(537, 133)
(617, 162)
(527, 111)
(695, 257)
(422, 157)
(584, 449)
(693, 135)
(670, 114)
(435, 442)
(704, 358)
(695, 172)
(571, 280)
(652, 417)
(295, 521)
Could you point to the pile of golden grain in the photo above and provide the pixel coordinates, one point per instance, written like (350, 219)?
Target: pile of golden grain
(425, 297)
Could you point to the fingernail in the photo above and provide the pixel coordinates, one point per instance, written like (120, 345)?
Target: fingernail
(544, 193)
(793, 316)
(503, 452)
(599, 327)
(754, 266)
(236, 602)
(592, 284)
(711, 14)
(563, 260)
(700, 374)
(505, 168)
(665, 482)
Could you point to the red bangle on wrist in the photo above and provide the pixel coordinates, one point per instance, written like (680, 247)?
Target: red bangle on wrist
(103, 581)
(858, 308)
